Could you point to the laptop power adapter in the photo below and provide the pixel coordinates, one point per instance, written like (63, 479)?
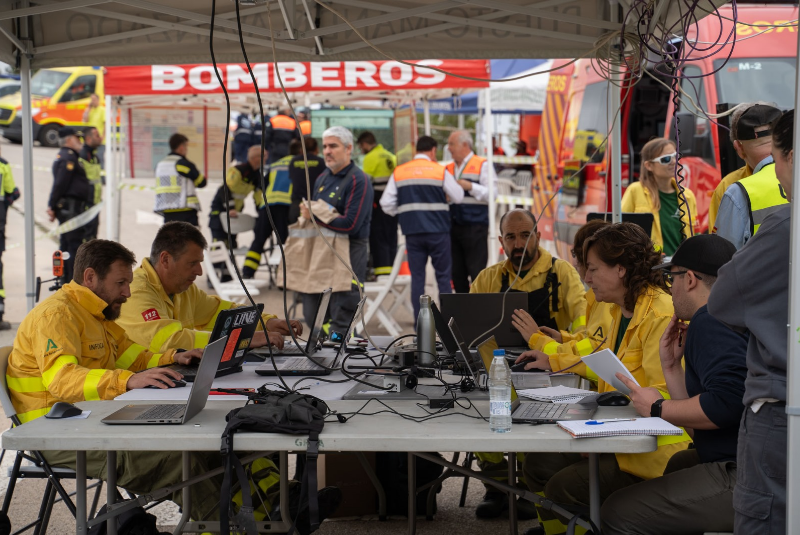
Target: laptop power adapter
(441, 403)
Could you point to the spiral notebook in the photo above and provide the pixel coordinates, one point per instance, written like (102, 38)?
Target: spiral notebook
(611, 428)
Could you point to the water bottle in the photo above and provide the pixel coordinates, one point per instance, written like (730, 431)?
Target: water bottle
(500, 393)
(426, 333)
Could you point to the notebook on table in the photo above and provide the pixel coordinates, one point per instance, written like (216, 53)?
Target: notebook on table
(620, 427)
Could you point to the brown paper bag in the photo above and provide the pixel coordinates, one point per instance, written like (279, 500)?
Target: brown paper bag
(311, 266)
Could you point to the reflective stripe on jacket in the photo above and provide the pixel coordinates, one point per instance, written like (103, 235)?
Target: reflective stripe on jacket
(279, 190)
(175, 185)
(379, 164)
(185, 320)
(65, 350)
(242, 180)
(421, 202)
(764, 195)
(91, 165)
(471, 211)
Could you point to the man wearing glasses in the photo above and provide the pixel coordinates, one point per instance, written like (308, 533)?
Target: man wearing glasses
(695, 494)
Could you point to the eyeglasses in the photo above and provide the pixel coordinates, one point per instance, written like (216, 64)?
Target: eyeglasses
(666, 159)
(669, 276)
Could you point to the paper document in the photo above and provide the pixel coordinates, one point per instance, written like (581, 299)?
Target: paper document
(606, 365)
(610, 428)
(556, 394)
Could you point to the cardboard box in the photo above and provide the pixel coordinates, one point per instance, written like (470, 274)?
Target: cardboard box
(343, 470)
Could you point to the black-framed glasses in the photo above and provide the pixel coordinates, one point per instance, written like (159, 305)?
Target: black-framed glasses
(669, 276)
(666, 159)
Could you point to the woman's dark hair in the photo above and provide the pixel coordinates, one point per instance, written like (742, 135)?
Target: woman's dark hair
(783, 133)
(627, 245)
(583, 234)
(99, 255)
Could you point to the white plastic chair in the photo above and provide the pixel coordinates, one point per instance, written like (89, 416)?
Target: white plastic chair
(229, 291)
(220, 254)
(394, 284)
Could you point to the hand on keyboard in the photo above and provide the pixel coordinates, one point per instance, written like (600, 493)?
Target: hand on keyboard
(155, 377)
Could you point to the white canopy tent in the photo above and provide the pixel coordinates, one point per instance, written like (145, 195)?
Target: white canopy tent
(42, 33)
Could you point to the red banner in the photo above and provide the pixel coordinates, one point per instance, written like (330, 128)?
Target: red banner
(296, 76)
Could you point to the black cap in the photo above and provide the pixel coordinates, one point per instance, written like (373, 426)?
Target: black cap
(703, 253)
(754, 117)
(66, 131)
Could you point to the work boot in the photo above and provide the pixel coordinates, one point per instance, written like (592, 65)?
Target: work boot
(493, 505)
(525, 510)
(328, 499)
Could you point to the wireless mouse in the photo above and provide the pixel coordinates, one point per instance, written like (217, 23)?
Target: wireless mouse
(178, 384)
(62, 409)
(521, 368)
(613, 399)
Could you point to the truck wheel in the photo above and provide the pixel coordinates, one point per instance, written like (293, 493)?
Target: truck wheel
(48, 135)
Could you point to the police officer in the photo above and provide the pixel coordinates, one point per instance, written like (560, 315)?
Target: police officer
(379, 164)
(10, 193)
(279, 131)
(418, 190)
(470, 229)
(90, 161)
(176, 180)
(242, 137)
(71, 195)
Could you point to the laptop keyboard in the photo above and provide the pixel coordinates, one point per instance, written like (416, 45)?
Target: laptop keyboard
(288, 350)
(162, 412)
(298, 363)
(542, 411)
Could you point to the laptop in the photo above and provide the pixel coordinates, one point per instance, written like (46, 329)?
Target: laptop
(314, 337)
(238, 325)
(643, 220)
(466, 354)
(537, 412)
(450, 344)
(173, 413)
(477, 313)
(304, 366)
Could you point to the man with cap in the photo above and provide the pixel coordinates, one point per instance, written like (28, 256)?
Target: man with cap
(695, 495)
(755, 152)
(71, 195)
(748, 199)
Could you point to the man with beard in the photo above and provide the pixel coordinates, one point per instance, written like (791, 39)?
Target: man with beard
(556, 299)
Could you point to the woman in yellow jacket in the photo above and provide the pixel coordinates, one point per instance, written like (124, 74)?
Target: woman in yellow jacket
(658, 193)
(619, 260)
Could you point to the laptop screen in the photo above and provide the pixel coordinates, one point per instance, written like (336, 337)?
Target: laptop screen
(486, 350)
(448, 341)
(319, 321)
(350, 329)
(455, 332)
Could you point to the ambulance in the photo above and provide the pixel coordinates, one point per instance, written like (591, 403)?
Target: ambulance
(575, 119)
(59, 96)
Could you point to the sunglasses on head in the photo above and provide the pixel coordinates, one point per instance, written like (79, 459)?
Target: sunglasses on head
(666, 159)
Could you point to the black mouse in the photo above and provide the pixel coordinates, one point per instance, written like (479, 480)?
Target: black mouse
(613, 399)
(62, 409)
(521, 368)
(178, 384)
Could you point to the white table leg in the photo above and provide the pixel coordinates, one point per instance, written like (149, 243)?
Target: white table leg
(594, 488)
(80, 493)
(111, 489)
(187, 495)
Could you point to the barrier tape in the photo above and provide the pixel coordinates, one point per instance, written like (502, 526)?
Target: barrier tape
(514, 159)
(508, 199)
(35, 168)
(67, 226)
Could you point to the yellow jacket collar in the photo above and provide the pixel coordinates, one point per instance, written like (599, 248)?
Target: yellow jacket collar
(643, 305)
(153, 278)
(542, 265)
(85, 298)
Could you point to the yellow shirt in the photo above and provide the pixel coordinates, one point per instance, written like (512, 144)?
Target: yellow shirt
(65, 350)
(719, 192)
(97, 118)
(571, 292)
(637, 200)
(151, 317)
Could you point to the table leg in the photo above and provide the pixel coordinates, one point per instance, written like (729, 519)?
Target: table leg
(80, 493)
(594, 488)
(111, 489)
(187, 495)
(512, 498)
(412, 494)
(375, 483)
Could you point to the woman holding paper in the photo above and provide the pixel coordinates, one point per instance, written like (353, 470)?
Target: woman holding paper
(619, 259)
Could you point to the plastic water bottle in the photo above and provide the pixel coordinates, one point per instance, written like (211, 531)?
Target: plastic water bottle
(426, 333)
(500, 393)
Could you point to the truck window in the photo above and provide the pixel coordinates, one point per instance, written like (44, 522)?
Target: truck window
(692, 84)
(647, 116)
(45, 83)
(592, 123)
(750, 79)
(81, 88)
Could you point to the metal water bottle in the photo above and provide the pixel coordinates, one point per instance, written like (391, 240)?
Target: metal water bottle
(426, 333)
(500, 393)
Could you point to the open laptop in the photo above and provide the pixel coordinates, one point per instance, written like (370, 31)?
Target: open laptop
(466, 354)
(313, 342)
(477, 313)
(304, 366)
(238, 325)
(173, 413)
(449, 343)
(537, 412)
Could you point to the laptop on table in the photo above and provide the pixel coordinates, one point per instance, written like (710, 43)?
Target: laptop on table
(172, 413)
(304, 366)
(536, 412)
(314, 337)
(238, 325)
(477, 313)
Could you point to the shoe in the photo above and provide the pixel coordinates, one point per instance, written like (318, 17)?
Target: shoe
(328, 500)
(538, 530)
(492, 506)
(526, 510)
(5, 326)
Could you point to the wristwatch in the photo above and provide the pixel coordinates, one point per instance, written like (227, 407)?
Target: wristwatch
(655, 408)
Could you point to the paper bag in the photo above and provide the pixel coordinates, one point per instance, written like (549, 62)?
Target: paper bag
(311, 266)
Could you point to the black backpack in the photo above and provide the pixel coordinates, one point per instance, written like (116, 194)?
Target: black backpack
(134, 521)
(271, 411)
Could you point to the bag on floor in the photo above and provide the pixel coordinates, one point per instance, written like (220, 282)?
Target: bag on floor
(134, 521)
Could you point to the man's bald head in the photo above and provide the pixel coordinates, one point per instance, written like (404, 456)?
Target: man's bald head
(254, 156)
(517, 213)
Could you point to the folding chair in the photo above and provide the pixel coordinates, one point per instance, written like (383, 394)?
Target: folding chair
(229, 291)
(36, 467)
(399, 286)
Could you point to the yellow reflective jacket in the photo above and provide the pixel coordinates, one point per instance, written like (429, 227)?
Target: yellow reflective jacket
(719, 192)
(571, 292)
(379, 165)
(65, 350)
(182, 321)
(637, 199)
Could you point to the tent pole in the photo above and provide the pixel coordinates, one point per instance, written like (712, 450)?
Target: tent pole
(461, 121)
(487, 134)
(426, 106)
(27, 168)
(111, 192)
(614, 99)
(793, 364)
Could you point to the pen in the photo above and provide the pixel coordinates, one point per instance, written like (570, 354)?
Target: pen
(599, 422)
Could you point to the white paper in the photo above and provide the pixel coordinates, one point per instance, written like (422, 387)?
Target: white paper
(82, 416)
(606, 365)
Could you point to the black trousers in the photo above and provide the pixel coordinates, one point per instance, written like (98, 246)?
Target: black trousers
(263, 230)
(468, 244)
(189, 216)
(69, 243)
(382, 238)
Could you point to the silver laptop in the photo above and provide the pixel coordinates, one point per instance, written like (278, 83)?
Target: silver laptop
(313, 342)
(177, 413)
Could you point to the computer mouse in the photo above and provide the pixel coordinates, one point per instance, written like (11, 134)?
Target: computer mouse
(613, 399)
(178, 384)
(62, 409)
(521, 368)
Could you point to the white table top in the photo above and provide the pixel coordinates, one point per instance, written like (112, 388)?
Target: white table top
(385, 432)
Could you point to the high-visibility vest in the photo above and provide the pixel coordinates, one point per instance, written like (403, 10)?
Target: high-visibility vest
(379, 164)
(421, 202)
(279, 190)
(471, 211)
(764, 195)
(305, 127)
(174, 192)
(283, 122)
(95, 175)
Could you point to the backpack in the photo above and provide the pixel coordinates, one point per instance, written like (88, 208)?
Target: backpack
(134, 521)
(271, 411)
